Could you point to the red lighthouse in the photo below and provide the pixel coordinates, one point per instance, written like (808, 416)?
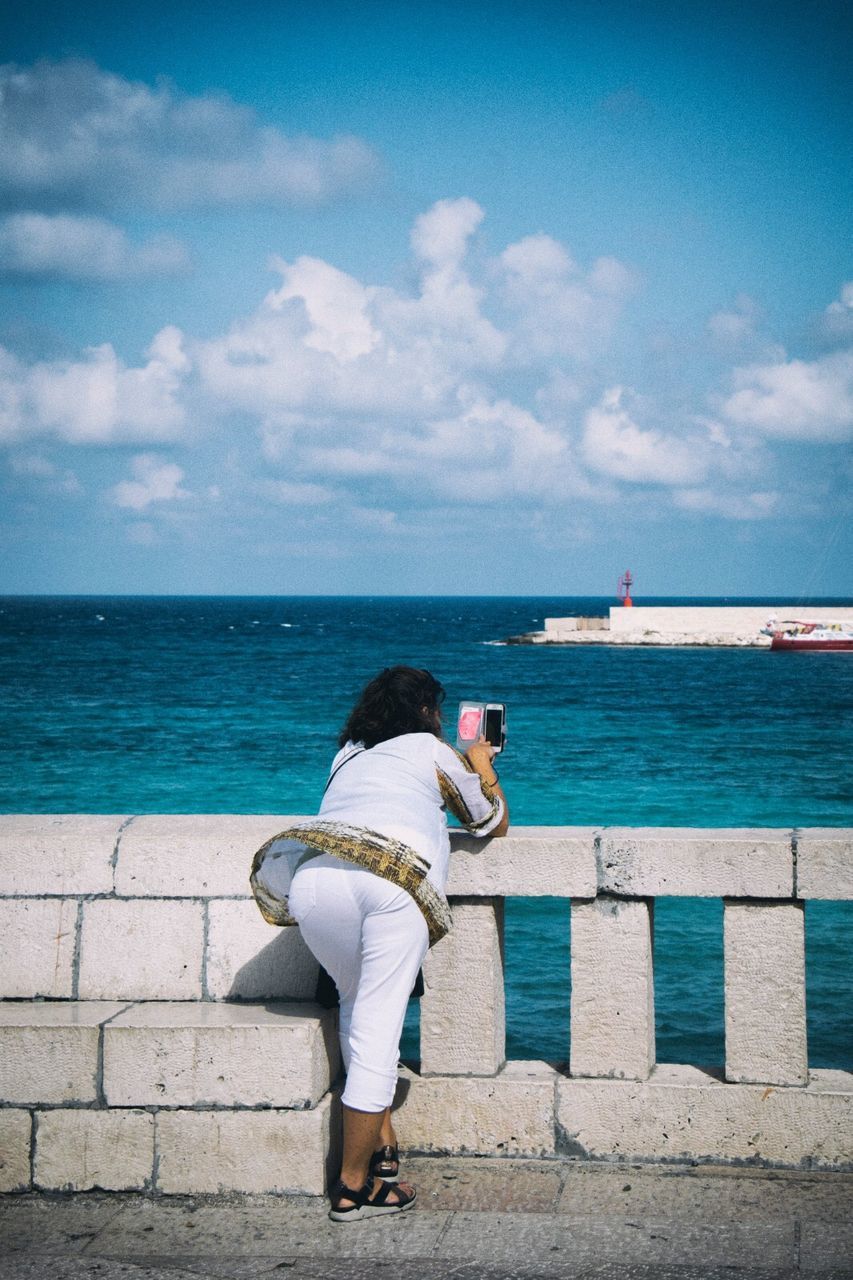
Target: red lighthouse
(624, 589)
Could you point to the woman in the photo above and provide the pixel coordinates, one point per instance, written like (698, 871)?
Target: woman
(368, 895)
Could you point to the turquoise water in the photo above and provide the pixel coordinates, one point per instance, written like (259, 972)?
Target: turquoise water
(232, 705)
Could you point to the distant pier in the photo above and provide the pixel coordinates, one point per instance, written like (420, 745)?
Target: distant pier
(681, 626)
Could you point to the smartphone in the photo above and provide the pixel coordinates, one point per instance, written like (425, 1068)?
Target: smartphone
(476, 718)
(494, 725)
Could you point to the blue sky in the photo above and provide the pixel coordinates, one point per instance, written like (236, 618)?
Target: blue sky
(426, 298)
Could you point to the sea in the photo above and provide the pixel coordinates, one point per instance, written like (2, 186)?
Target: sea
(139, 704)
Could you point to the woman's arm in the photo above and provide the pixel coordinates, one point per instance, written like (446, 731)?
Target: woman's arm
(481, 755)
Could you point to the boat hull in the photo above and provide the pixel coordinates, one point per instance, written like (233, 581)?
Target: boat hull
(806, 643)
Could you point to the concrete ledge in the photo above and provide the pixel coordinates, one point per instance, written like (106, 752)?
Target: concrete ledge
(191, 855)
(694, 862)
(38, 938)
(15, 1135)
(765, 992)
(248, 959)
(463, 1024)
(49, 1052)
(683, 1113)
(529, 862)
(511, 1113)
(613, 1002)
(824, 863)
(80, 1150)
(252, 1151)
(69, 853)
(219, 1055)
(141, 949)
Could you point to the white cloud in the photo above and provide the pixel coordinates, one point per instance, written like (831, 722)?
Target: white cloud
(324, 344)
(440, 236)
(68, 247)
(336, 307)
(557, 308)
(759, 505)
(838, 316)
(491, 450)
(77, 137)
(796, 399)
(154, 481)
(96, 400)
(736, 325)
(615, 445)
(35, 467)
(361, 393)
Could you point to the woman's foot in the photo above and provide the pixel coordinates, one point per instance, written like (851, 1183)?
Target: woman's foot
(372, 1200)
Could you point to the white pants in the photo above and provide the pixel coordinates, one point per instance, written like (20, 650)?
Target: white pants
(371, 937)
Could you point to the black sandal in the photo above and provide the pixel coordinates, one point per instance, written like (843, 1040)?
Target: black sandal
(385, 1164)
(363, 1207)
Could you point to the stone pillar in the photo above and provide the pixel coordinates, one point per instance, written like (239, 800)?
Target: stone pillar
(765, 982)
(613, 1002)
(463, 1018)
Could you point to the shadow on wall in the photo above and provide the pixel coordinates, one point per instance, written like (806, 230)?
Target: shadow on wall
(282, 970)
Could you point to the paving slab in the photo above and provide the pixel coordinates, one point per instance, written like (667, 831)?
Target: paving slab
(558, 1219)
(39, 1268)
(54, 1224)
(591, 1240)
(712, 1193)
(823, 1244)
(284, 1226)
(455, 1185)
(355, 1269)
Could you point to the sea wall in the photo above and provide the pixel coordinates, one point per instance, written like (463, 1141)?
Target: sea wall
(156, 1034)
(698, 620)
(738, 626)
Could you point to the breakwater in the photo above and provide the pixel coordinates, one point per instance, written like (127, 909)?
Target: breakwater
(157, 1035)
(681, 625)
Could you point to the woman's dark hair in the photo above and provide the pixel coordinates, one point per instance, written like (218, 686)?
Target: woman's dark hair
(398, 700)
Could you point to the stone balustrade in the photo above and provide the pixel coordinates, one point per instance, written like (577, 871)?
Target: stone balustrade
(156, 1033)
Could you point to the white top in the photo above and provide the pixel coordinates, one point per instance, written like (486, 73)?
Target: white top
(403, 788)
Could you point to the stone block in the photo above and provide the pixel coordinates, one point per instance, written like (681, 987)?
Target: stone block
(765, 992)
(825, 863)
(37, 937)
(249, 959)
(249, 1151)
(192, 855)
(652, 862)
(613, 1001)
(685, 1113)
(81, 1150)
(463, 1016)
(68, 853)
(15, 1131)
(511, 1113)
(49, 1052)
(141, 949)
(230, 1055)
(529, 862)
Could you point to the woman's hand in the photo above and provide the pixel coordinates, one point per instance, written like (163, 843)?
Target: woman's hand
(480, 756)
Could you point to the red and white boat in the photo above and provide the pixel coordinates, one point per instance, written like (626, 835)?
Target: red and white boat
(797, 633)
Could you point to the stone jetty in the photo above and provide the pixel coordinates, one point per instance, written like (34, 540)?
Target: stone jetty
(682, 626)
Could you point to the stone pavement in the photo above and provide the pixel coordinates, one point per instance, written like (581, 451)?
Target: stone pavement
(476, 1219)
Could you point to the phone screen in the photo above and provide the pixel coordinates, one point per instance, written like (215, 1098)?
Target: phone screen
(493, 728)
